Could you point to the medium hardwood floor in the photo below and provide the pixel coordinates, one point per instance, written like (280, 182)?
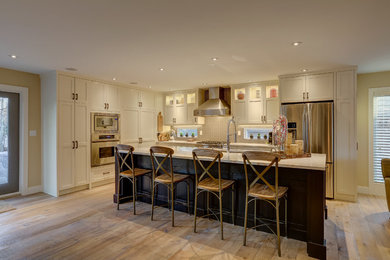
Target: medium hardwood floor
(86, 225)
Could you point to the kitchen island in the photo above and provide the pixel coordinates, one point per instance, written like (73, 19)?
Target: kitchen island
(304, 177)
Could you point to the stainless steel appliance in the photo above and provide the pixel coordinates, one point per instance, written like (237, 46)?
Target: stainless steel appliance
(215, 106)
(314, 125)
(104, 137)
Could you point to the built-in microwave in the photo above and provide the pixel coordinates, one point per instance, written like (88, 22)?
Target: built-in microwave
(105, 123)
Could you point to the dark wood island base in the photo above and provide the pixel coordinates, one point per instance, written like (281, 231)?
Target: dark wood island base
(306, 199)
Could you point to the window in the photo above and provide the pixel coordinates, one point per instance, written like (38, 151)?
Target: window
(187, 132)
(256, 133)
(380, 131)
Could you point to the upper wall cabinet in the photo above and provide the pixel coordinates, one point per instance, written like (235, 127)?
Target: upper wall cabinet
(306, 88)
(103, 97)
(138, 117)
(256, 103)
(179, 108)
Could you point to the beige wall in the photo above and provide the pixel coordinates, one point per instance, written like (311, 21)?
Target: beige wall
(364, 83)
(33, 83)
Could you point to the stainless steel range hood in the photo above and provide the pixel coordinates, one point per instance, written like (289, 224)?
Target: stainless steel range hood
(215, 106)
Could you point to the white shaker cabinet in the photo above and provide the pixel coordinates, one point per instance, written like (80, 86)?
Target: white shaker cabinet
(103, 97)
(138, 116)
(345, 136)
(307, 88)
(319, 87)
(256, 103)
(292, 89)
(71, 123)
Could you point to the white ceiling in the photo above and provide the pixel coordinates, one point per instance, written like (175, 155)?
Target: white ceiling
(132, 40)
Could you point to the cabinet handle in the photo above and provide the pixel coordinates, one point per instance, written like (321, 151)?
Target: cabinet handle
(77, 96)
(73, 144)
(140, 140)
(196, 120)
(105, 105)
(105, 173)
(108, 105)
(303, 95)
(265, 119)
(307, 95)
(72, 96)
(77, 144)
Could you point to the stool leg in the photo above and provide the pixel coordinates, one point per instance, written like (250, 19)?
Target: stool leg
(277, 225)
(153, 186)
(195, 206)
(246, 217)
(172, 207)
(285, 215)
(254, 214)
(188, 198)
(134, 198)
(220, 213)
(208, 204)
(233, 202)
(119, 192)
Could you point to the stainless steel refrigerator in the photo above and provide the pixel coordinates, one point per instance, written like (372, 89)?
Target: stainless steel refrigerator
(314, 125)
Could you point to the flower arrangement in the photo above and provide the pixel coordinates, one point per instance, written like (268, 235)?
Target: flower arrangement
(279, 131)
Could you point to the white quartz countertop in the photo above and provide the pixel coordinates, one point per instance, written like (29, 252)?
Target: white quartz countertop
(315, 162)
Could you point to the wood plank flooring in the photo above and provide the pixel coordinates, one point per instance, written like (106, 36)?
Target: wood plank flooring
(86, 225)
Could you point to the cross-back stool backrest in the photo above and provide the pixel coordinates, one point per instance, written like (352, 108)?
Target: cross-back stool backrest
(157, 165)
(122, 157)
(197, 155)
(272, 158)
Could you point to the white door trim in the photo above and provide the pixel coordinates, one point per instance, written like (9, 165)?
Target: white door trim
(23, 134)
(373, 188)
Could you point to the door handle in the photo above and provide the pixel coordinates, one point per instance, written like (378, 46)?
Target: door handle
(77, 144)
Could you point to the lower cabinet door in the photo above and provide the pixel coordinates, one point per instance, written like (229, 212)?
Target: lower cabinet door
(66, 145)
(81, 136)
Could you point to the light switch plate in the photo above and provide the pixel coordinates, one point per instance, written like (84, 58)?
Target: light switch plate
(33, 132)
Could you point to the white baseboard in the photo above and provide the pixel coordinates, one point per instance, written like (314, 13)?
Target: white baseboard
(33, 189)
(363, 190)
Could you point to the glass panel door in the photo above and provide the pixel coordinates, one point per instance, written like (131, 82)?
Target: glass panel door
(9, 142)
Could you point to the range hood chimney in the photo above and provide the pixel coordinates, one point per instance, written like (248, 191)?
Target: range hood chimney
(215, 106)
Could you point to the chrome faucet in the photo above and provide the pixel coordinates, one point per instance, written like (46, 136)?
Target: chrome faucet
(231, 121)
(172, 134)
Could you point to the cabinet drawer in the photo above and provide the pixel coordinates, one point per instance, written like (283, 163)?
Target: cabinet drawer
(103, 172)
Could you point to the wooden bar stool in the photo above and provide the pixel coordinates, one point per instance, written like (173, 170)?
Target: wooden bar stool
(168, 178)
(127, 171)
(210, 184)
(267, 192)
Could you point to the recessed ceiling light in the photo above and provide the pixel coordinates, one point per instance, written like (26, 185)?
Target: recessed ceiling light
(113, 78)
(296, 43)
(304, 70)
(71, 69)
(13, 56)
(215, 59)
(161, 69)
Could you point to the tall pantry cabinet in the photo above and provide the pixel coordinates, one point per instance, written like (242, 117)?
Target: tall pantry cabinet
(65, 130)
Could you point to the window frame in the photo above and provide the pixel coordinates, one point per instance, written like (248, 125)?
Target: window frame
(374, 187)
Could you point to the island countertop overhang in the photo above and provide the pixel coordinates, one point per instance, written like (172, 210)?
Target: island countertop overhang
(316, 162)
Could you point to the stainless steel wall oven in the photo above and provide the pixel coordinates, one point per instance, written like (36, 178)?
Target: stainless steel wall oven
(104, 137)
